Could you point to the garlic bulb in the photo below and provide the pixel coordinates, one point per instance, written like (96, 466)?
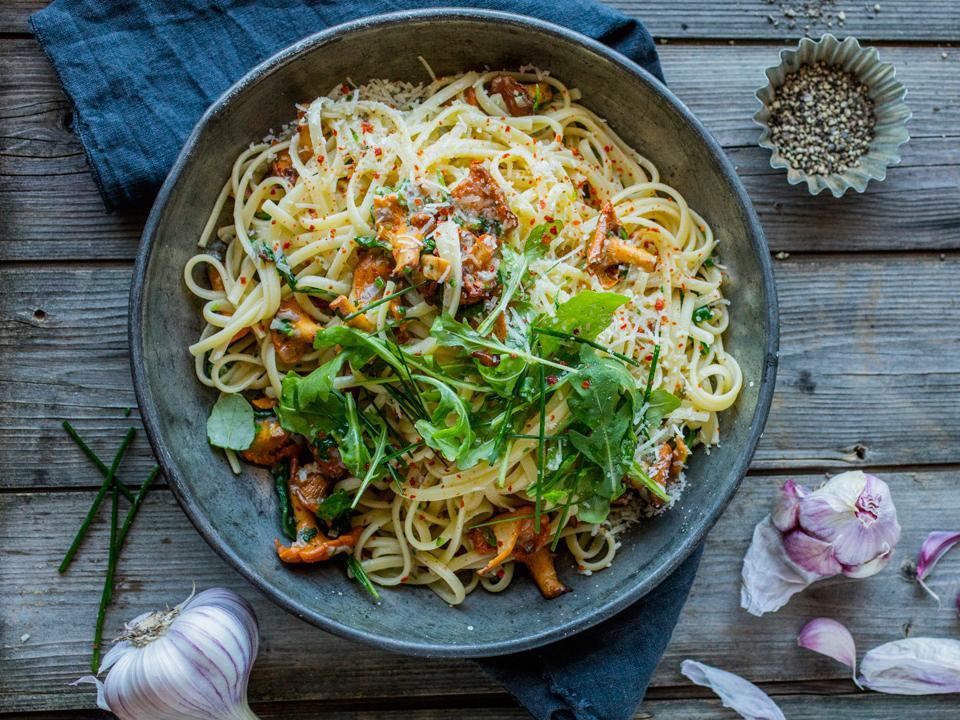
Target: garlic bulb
(191, 662)
(848, 526)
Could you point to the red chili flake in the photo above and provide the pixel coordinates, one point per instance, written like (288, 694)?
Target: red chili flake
(273, 222)
(286, 245)
(243, 279)
(366, 127)
(320, 159)
(581, 568)
(543, 204)
(500, 573)
(548, 218)
(559, 137)
(273, 191)
(499, 543)
(461, 502)
(509, 488)
(607, 148)
(552, 379)
(423, 517)
(404, 578)
(344, 88)
(658, 304)
(377, 151)
(412, 496)
(585, 384)
(333, 232)
(623, 326)
(648, 357)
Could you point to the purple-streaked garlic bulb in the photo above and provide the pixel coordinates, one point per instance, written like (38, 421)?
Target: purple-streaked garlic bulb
(848, 526)
(191, 662)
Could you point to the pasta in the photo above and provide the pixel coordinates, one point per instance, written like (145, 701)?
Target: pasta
(475, 326)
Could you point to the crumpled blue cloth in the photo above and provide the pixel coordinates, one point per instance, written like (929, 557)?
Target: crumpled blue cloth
(140, 73)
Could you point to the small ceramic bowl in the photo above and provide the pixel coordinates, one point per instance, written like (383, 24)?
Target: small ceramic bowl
(890, 111)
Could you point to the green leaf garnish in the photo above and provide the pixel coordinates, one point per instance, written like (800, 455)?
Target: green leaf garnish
(231, 424)
(356, 569)
(585, 315)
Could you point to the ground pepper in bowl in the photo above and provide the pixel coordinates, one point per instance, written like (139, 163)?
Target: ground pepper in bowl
(822, 119)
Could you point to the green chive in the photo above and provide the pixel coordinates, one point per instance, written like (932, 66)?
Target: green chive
(107, 595)
(94, 506)
(591, 343)
(361, 576)
(560, 526)
(653, 370)
(541, 451)
(133, 509)
(94, 458)
(381, 301)
(499, 520)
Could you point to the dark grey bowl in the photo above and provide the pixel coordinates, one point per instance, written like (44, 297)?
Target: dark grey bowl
(237, 515)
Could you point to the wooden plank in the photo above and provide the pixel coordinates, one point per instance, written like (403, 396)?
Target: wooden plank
(53, 210)
(864, 355)
(863, 706)
(165, 556)
(927, 20)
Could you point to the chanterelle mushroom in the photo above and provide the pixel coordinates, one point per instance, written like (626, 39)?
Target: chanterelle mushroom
(607, 250)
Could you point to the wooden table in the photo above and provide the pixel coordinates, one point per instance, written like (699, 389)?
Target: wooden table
(869, 378)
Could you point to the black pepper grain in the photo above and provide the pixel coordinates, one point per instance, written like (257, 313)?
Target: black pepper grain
(821, 119)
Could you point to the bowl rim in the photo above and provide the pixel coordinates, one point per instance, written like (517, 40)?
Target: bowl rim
(149, 413)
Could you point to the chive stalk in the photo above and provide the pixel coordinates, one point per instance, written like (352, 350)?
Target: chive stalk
(95, 505)
(135, 507)
(94, 458)
(653, 370)
(381, 301)
(541, 452)
(585, 341)
(107, 595)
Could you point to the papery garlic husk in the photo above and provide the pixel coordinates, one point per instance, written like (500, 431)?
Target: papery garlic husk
(913, 666)
(192, 662)
(736, 693)
(848, 526)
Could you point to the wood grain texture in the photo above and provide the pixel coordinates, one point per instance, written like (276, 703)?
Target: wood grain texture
(164, 556)
(901, 20)
(865, 353)
(54, 211)
(862, 706)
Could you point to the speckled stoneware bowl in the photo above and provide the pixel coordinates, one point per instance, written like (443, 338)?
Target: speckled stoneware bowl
(890, 110)
(237, 515)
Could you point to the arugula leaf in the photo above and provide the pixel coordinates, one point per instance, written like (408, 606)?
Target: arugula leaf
(334, 507)
(452, 441)
(638, 478)
(374, 465)
(515, 266)
(309, 412)
(230, 424)
(281, 473)
(603, 401)
(363, 346)
(585, 315)
(660, 404)
(452, 333)
(262, 215)
(354, 453)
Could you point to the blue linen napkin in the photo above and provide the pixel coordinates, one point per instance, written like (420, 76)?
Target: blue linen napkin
(127, 65)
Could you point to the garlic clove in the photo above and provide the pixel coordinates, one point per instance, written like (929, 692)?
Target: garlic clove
(830, 638)
(934, 547)
(812, 554)
(786, 510)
